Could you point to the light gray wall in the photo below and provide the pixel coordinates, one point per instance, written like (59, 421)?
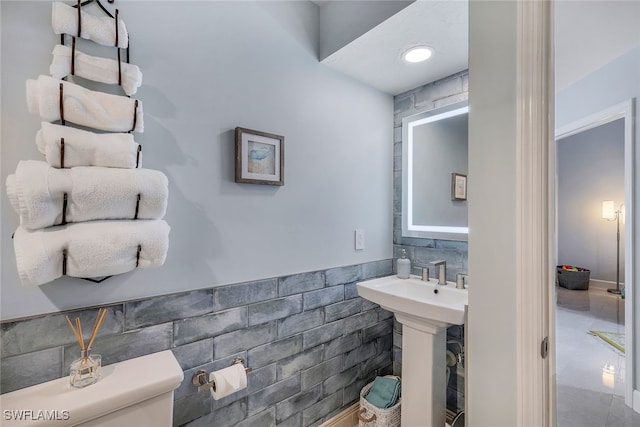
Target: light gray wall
(341, 22)
(590, 168)
(612, 84)
(209, 67)
(492, 341)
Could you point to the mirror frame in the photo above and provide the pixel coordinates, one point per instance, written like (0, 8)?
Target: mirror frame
(409, 229)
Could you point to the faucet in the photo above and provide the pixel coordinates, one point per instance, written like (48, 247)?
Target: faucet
(442, 271)
(460, 279)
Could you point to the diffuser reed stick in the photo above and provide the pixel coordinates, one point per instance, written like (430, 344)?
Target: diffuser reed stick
(77, 329)
(102, 313)
(75, 333)
(86, 370)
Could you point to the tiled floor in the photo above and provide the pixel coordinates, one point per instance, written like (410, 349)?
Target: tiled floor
(590, 373)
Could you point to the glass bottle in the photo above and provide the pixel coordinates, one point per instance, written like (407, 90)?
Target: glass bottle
(85, 370)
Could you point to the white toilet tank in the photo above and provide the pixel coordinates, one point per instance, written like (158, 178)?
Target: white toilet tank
(136, 392)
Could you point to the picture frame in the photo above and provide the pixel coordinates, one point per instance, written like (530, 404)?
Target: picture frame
(458, 186)
(259, 157)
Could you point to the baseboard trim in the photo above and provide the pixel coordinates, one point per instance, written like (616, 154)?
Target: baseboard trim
(346, 418)
(603, 284)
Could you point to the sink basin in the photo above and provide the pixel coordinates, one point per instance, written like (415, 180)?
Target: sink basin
(425, 309)
(423, 301)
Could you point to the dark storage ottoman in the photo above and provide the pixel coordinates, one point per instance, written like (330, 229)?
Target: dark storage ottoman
(573, 279)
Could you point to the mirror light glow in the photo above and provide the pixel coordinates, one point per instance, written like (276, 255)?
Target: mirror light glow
(410, 223)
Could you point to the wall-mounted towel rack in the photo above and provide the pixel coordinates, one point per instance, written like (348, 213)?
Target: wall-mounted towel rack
(79, 5)
(139, 151)
(99, 3)
(64, 19)
(64, 267)
(65, 199)
(62, 120)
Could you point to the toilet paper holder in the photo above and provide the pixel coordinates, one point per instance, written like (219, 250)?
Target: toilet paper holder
(201, 378)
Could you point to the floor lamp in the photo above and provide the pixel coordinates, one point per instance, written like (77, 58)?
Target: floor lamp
(610, 213)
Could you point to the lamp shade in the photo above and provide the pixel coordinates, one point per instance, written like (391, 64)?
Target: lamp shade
(608, 209)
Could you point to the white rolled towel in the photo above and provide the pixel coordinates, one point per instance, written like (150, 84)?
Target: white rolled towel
(94, 249)
(95, 68)
(84, 148)
(101, 30)
(98, 110)
(36, 192)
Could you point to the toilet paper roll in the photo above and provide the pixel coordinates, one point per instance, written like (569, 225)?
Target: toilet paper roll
(228, 380)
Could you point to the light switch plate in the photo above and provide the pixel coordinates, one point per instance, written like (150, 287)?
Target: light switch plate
(359, 239)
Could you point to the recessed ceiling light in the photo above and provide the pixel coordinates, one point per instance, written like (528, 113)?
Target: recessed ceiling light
(417, 54)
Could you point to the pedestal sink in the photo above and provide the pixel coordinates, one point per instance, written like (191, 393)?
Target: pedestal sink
(425, 310)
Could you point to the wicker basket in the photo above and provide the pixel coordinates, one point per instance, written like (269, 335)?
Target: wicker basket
(372, 416)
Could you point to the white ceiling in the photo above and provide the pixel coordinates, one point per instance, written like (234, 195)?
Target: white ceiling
(376, 57)
(589, 34)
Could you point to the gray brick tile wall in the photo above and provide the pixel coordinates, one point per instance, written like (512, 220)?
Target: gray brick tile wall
(359, 354)
(350, 291)
(295, 404)
(191, 408)
(342, 309)
(342, 275)
(380, 329)
(244, 293)
(232, 342)
(274, 351)
(52, 330)
(315, 413)
(323, 297)
(302, 335)
(299, 283)
(194, 354)
(261, 378)
(266, 418)
(351, 392)
(322, 334)
(275, 309)
(321, 372)
(227, 416)
(130, 344)
(337, 382)
(273, 394)
(293, 421)
(300, 322)
(342, 345)
(28, 369)
(302, 360)
(167, 308)
(189, 330)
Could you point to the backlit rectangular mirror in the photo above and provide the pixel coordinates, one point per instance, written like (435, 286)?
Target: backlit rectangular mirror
(434, 160)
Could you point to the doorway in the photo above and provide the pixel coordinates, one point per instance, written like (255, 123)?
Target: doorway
(591, 373)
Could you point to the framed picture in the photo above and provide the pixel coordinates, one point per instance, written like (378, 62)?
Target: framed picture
(458, 186)
(259, 157)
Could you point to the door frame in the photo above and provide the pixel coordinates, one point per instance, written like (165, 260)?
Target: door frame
(626, 111)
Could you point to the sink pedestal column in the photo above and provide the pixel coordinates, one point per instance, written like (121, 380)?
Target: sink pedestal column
(423, 372)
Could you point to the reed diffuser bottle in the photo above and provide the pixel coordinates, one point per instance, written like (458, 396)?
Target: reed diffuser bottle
(86, 370)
